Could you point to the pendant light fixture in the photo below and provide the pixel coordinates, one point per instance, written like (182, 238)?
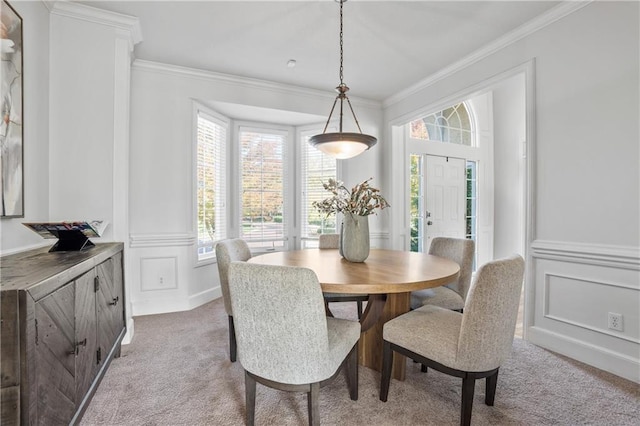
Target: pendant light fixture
(342, 145)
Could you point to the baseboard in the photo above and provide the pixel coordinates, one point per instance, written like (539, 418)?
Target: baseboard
(130, 331)
(203, 297)
(159, 306)
(596, 356)
(167, 305)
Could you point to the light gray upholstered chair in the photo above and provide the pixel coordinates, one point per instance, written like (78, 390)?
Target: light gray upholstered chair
(227, 251)
(451, 296)
(285, 340)
(471, 345)
(329, 241)
(332, 241)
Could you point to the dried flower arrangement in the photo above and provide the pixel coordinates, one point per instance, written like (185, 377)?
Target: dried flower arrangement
(362, 200)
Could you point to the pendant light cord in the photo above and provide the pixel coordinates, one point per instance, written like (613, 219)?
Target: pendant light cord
(342, 88)
(341, 45)
(341, 145)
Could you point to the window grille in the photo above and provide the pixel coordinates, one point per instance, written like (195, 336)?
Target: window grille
(451, 125)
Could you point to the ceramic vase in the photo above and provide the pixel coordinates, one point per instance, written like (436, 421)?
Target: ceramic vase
(354, 241)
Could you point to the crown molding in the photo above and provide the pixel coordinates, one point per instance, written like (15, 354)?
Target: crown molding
(49, 4)
(563, 9)
(217, 77)
(127, 23)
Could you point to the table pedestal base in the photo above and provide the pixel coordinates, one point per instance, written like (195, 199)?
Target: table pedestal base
(370, 346)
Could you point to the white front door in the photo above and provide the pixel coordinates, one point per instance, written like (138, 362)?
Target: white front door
(445, 198)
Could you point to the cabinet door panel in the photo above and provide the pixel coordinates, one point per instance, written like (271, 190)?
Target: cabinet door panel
(109, 303)
(118, 290)
(55, 367)
(85, 308)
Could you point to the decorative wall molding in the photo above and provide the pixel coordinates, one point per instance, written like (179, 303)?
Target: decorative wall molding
(161, 240)
(536, 24)
(245, 82)
(595, 254)
(591, 328)
(159, 273)
(548, 275)
(572, 322)
(131, 24)
(379, 235)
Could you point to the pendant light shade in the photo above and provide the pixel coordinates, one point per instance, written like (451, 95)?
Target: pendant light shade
(342, 145)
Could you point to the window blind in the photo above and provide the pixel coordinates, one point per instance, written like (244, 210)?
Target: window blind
(316, 169)
(210, 183)
(263, 184)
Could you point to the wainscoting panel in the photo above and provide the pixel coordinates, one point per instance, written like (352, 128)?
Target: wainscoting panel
(561, 304)
(166, 277)
(576, 287)
(158, 273)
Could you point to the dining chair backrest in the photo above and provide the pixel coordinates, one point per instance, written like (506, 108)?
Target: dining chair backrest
(227, 251)
(490, 315)
(281, 327)
(461, 251)
(329, 241)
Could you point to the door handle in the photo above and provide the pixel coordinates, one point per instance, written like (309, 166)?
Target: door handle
(429, 222)
(75, 350)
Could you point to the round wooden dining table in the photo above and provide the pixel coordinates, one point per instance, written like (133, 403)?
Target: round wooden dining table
(387, 276)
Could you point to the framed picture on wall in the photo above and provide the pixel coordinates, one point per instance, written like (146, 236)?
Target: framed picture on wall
(11, 131)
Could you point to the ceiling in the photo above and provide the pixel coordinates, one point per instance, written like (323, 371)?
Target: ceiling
(388, 45)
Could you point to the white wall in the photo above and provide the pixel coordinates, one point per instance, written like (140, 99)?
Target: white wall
(509, 128)
(13, 235)
(82, 75)
(586, 234)
(162, 215)
(89, 120)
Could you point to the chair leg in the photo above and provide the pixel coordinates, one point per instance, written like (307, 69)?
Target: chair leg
(351, 366)
(387, 362)
(233, 348)
(314, 404)
(359, 302)
(490, 393)
(327, 311)
(468, 386)
(250, 399)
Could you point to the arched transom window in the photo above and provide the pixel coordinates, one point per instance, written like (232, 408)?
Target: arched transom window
(451, 125)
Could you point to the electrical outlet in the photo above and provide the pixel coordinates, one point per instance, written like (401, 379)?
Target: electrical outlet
(615, 321)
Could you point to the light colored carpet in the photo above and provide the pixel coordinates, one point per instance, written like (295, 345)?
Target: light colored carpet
(177, 372)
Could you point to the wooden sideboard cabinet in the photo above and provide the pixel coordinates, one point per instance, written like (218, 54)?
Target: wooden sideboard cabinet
(62, 323)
